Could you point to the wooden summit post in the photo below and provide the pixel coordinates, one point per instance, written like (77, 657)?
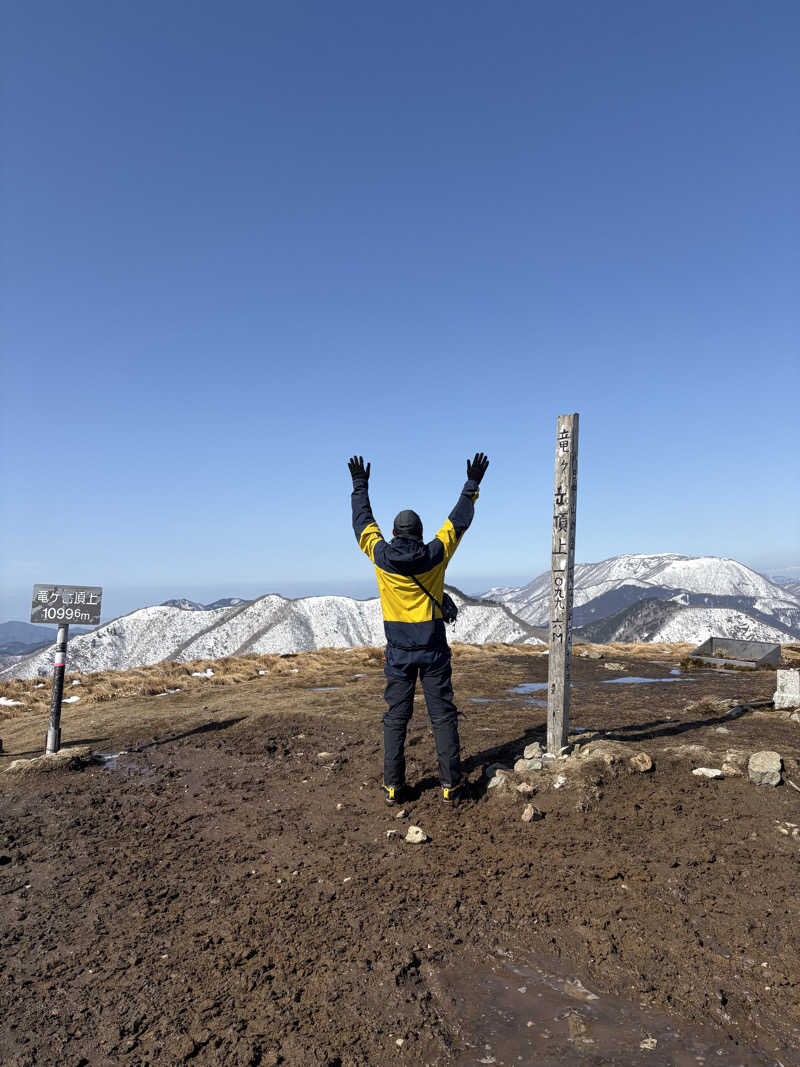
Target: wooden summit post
(565, 496)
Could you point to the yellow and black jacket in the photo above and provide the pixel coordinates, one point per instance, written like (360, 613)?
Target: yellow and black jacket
(410, 618)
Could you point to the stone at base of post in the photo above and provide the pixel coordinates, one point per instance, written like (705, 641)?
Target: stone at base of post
(53, 743)
(557, 742)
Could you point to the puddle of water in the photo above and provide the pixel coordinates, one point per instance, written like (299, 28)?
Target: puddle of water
(110, 759)
(631, 678)
(507, 700)
(528, 687)
(323, 688)
(123, 761)
(509, 1013)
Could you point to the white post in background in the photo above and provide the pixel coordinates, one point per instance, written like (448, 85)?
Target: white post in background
(565, 496)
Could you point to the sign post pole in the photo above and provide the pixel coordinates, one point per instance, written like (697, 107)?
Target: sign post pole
(54, 728)
(565, 496)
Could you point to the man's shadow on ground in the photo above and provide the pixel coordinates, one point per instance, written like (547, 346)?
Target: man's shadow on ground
(206, 728)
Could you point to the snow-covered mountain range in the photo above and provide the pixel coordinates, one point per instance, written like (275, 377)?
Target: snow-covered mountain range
(672, 622)
(704, 596)
(666, 598)
(268, 624)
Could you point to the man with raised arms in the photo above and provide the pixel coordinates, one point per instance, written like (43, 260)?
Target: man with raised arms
(410, 577)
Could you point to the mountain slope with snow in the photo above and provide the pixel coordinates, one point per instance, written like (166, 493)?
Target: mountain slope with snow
(695, 625)
(269, 624)
(669, 621)
(788, 585)
(603, 589)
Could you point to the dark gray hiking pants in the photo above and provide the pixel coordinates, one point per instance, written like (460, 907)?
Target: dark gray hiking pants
(401, 678)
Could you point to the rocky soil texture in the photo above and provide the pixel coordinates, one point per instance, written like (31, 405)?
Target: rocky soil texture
(211, 876)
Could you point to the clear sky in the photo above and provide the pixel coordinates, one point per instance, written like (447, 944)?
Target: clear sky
(243, 241)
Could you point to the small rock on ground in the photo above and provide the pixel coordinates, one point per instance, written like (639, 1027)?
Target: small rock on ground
(502, 786)
(530, 813)
(533, 751)
(525, 766)
(641, 763)
(707, 772)
(416, 835)
(764, 768)
(730, 770)
(787, 694)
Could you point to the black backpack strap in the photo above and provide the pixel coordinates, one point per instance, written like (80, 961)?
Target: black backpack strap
(425, 591)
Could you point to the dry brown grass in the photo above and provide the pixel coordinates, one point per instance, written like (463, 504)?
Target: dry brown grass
(102, 686)
(326, 667)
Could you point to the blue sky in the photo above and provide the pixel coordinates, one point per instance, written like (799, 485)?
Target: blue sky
(244, 241)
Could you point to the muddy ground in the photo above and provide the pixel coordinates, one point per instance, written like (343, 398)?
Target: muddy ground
(223, 893)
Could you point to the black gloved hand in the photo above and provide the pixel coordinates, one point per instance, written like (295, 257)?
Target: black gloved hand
(477, 468)
(357, 470)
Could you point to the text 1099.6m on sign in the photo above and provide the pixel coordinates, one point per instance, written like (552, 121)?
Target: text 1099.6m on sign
(66, 604)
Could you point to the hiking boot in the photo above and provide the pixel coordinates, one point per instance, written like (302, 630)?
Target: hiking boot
(393, 794)
(451, 795)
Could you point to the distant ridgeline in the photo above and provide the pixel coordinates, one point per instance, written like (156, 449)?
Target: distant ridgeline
(22, 638)
(666, 598)
(268, 624)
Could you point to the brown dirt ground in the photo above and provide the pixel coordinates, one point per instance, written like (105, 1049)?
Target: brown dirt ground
(222, 894)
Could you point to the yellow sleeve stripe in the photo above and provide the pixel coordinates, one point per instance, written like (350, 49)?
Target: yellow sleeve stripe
(447, 535)
(370, 536)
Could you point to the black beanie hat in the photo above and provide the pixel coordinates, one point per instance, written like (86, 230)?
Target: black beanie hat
(408, 524)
